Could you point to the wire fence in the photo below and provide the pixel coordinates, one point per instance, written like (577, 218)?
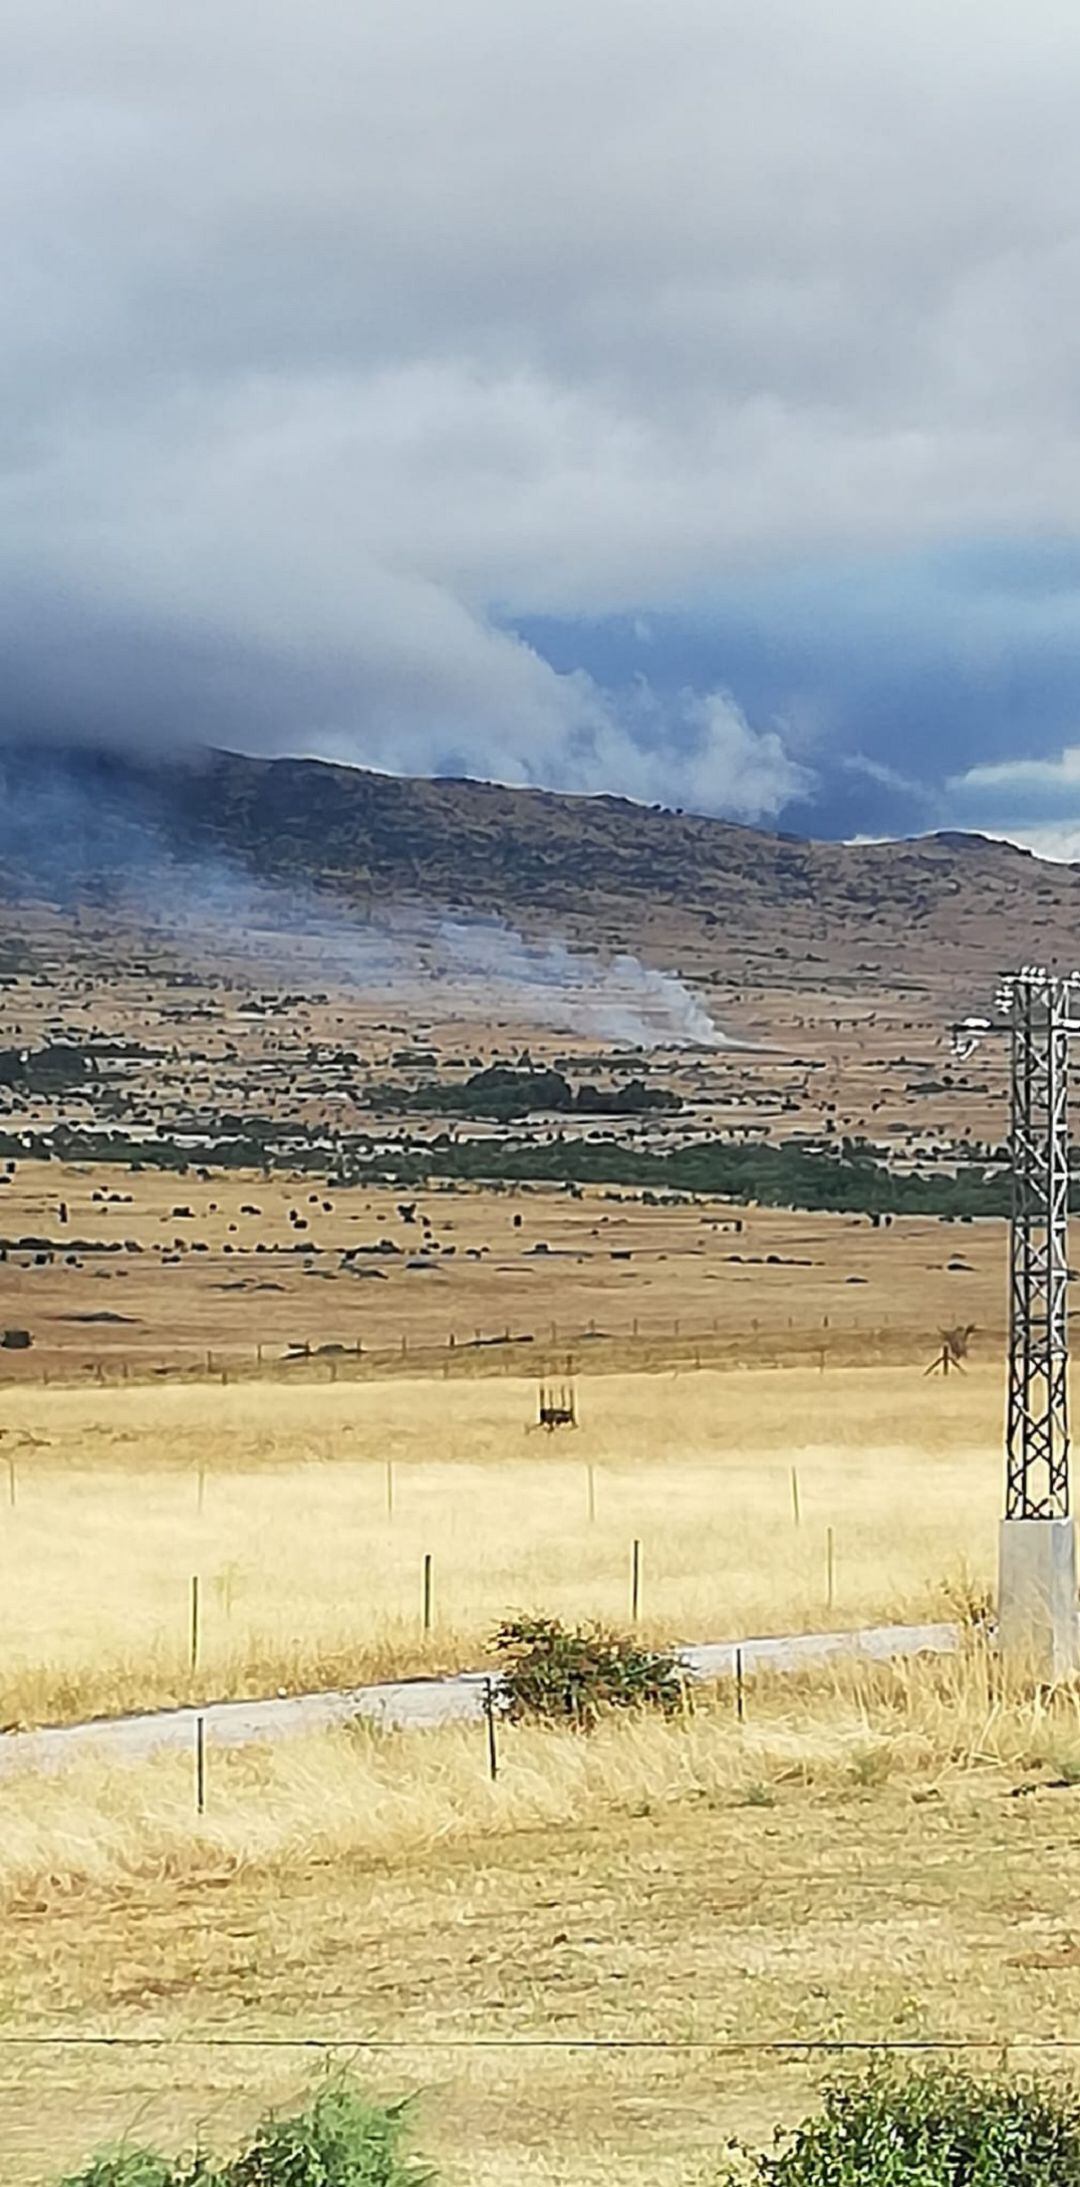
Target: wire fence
(552, 1348)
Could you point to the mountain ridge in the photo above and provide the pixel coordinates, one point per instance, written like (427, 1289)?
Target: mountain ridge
(78, 821)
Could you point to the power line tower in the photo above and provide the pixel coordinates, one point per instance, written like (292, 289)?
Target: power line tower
(1037, 1593)
(1041, 1012)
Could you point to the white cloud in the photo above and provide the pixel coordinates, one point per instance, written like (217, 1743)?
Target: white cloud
(736, 769)
(1032, 802)
(879, 771)
(1023, 779)
(700, 753)
(338, 339)
(1060, 844)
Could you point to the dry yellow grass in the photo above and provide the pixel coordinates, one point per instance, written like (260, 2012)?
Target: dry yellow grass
(388, 1798)
(846, 1865)
(307, 1580)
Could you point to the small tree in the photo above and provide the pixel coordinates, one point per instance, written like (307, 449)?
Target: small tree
(553, 1674)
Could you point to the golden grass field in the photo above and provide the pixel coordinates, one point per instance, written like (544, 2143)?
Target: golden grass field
(849, 1864)
(306, 1513)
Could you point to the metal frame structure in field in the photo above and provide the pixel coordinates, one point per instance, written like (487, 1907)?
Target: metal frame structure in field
(1040, 1010)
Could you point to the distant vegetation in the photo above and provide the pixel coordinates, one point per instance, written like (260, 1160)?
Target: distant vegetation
(62, 1064)
(44, 1070)
(852, 1179)
(851, 1176)
(506, 1094)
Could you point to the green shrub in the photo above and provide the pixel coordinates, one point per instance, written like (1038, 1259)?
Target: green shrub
(928, 2129)
(141, 2168)
(551, 1673)
(338, 2140)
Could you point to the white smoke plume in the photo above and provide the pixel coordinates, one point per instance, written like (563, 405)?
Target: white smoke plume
(76, 841)
(444, 964)
(618, 998)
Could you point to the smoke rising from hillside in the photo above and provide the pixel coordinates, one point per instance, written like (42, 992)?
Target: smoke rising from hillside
(442, 964)
(619, 997)
(71, 838)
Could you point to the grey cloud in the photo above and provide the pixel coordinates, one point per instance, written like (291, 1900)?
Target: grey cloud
(339, 337)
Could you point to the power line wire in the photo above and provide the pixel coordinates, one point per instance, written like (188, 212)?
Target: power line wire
(733, 2045)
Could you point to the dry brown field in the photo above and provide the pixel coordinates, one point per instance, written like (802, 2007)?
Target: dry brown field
(251, 1018)
(306, 1513)
(582, 1969)
(178, 1277)
(215, 1390)
(142, 1271)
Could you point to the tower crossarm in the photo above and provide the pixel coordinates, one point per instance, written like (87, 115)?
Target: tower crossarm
(968, 1033)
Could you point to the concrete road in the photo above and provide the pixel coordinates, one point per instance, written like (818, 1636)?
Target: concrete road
(418, 1704)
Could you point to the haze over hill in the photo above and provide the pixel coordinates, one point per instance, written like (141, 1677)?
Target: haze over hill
(82, 824)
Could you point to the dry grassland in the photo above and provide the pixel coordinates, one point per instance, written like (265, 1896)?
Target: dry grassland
(277, 1498)
(848, 1865)
(232, 1281)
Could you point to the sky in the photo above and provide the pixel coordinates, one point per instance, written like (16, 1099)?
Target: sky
(673, 398)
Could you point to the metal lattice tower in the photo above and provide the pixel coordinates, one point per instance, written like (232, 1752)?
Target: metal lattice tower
(1039, 1010)
(1038, 1627)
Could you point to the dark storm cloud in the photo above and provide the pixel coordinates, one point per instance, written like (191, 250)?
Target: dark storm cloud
(347, 346)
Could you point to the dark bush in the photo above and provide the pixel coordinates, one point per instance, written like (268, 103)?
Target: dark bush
(338, 2140)
(552, 1674)
(928, 2129)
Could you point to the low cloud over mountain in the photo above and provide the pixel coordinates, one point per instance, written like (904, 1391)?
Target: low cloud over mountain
(598, 397)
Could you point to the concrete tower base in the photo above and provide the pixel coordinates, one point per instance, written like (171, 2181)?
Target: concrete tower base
(1038, 1622)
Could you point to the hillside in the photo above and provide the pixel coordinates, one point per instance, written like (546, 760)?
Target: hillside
(213, 1096)
(946, 909)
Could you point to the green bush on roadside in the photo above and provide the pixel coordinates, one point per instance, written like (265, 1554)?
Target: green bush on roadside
(933, 2128)
(889, 2128)
(553, 1673)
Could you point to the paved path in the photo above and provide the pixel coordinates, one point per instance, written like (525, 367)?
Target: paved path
(418, 1704)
